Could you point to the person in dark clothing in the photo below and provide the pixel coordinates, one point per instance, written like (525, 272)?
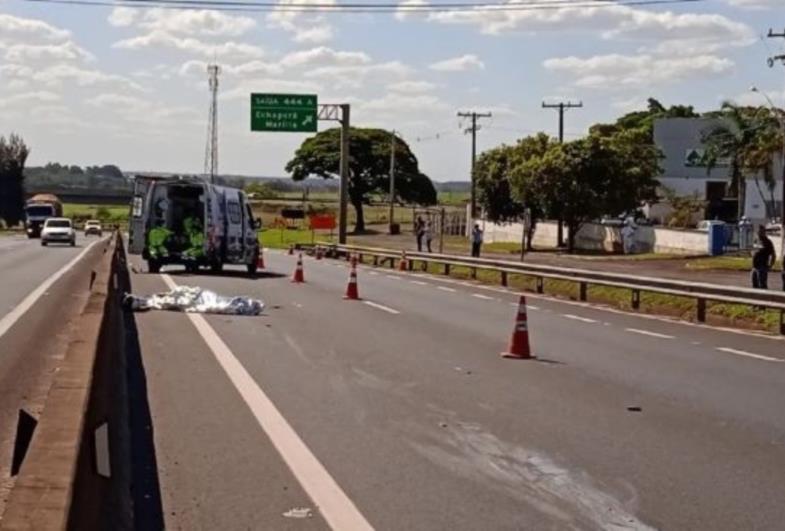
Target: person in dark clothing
(419, 231)
(476, 240)
(762, 260)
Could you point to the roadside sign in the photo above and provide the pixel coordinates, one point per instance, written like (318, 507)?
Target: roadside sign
(284, 113)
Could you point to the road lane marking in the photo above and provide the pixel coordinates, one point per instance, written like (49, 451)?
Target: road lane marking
(749, 354)
(481, 296)
(647, 333)
(336, 507)
(419, 282)
(578, 318)
(394, 277)
(382, 307)
(445, 288)
(372, 273)
(14, 315)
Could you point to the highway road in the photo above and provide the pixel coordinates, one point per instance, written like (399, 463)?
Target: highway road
(397, 412)
(42, 289)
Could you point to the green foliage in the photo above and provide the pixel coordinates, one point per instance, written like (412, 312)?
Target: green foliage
(13, 155)
(369, 167)
(103, 213)
(747, 137)
(641, 123)
(261, 190)
(683, 208)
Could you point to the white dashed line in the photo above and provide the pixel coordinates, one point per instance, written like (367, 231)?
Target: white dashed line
(445, 288)
(531, 307)
(394, 277)
(647, 333)
(373, 273)
(382, 307)
(749, 354)
(481, 296)
(419, 282)
(336, 507)
(578, 318)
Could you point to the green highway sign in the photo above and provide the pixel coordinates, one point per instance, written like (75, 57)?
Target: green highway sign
(292, 113)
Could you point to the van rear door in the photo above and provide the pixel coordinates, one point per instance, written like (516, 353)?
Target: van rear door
(234, 226)
(137, 224)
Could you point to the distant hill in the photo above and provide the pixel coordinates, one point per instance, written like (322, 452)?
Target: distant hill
(452, 186)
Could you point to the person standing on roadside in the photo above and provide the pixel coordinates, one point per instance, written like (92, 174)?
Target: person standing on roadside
(476, 240)
(419, 230)
(428, 233)
(762, 260)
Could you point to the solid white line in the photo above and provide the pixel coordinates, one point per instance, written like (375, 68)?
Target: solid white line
(382, 307)
(647, 333)
(336, 507)
(444, 288)
(419, 282)
(372, 273)
(531, 307)
(749, 354)
(578, 318)
(394, 277)
(14, 315)
(481, 296)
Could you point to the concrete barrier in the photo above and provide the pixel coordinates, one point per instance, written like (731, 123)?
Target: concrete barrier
(77, 471)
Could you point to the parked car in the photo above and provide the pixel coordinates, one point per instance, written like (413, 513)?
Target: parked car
(93, 226)
(58, 230)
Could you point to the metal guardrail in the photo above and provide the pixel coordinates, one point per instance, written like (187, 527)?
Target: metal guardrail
(700, 291)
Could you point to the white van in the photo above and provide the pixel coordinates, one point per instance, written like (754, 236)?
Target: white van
(191, 222)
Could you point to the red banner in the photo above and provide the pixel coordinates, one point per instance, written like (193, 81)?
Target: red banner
(322, 221)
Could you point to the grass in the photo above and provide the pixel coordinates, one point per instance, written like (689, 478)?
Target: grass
(106, 213)
(651, 303)
(283, 238)
(720, 263)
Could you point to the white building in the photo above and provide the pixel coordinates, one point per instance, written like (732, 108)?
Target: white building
(685, 172)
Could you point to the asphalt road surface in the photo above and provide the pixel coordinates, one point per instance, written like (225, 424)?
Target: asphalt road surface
(42, 289)
(397, 412)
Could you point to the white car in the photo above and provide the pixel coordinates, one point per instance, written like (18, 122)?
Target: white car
(93, 226)
(58, 230)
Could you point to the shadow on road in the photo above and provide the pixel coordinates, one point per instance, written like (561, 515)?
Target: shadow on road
(145, 486)
(260, 275)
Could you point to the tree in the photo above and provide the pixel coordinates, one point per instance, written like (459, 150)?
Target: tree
(13, 155)
(261, 190)
(369, 167)
(642, 122)
(588, 178)
(748, 138)
(493, 173)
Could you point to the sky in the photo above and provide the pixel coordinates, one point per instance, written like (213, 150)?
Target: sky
(93, 85)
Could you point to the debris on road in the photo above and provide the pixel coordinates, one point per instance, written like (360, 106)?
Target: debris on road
(634, 408)
(299, 512)
(193, 299)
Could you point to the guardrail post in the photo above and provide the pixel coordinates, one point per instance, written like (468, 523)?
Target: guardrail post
(447, 270)
(540, 285)
(360, 258)
(504, 278)
(782, 322)
(701, 310)
(583, 291)
(375, 260)
(410, 264)
(636, 299)
(474, 273)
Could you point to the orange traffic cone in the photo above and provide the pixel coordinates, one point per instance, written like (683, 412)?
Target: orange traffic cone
(519, 344)
(298, 272)
(260, 260)
(351, 287)
(403, 264)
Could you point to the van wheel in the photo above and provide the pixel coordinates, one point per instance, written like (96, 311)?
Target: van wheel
(216, 267)
(153, 266)
(191, 268)
(43, 243)
(252, 268)
(73, 243)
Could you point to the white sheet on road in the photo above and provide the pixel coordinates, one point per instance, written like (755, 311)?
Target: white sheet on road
(193, 299)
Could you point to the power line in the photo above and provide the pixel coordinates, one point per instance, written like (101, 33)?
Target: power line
(263, 7)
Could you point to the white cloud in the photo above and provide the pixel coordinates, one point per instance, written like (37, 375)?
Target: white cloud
(756, 4)
(459, 64)
(777, 96)
(57, 74)
(314, 34)
(123, 16)
(16, 29)
(323, 56)
(407, 7)
(251, 68)
(162, 39)
(397, 103)
(305, 27)
(357, 76)
(67, 51)
(198, 22)
(28, 97)
(243, 91)
(614, 71)
(412, 87)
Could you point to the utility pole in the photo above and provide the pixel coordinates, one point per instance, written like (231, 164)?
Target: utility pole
(771, 61)
(344, 167)
(562, 105)
(473, 130)
(392, 179)
(211, 150)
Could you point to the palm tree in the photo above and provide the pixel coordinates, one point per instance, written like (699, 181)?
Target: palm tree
(747, 137)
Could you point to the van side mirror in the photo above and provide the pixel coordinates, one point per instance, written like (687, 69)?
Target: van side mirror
(257, 223)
